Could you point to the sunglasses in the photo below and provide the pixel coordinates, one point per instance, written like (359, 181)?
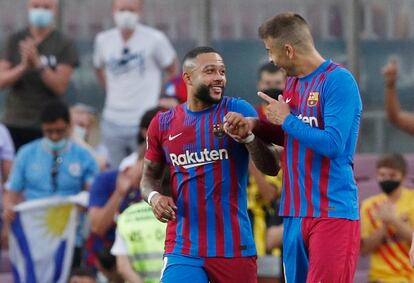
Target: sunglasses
(124, 60)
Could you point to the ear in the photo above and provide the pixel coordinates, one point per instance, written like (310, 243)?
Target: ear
(290, 51)
(187, 78)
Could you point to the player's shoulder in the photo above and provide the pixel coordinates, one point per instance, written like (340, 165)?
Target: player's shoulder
(335, 71)
(165, 118)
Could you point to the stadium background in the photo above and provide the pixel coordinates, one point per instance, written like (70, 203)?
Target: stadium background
(386, 28)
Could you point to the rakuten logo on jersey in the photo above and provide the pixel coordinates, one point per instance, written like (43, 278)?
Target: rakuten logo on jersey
(194, 159)
(311, 121)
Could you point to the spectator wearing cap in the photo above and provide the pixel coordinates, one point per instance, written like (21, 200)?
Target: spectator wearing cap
(111, 193)
(130, 60)
(36, 66)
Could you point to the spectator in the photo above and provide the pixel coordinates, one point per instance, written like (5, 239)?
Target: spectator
(110, 194)
(6, 160)
(271, 80)
(37, 65)
(106, 264)
(82, 275)
(49, 166)
(387, 221)
(145, 122)
(82, 119)
(129, 61)
(139, 244)
(401, 119)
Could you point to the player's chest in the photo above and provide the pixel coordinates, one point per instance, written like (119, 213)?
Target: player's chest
(306, 103)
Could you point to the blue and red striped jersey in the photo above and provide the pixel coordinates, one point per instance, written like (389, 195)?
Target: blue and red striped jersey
(320, 140)
(208, 172)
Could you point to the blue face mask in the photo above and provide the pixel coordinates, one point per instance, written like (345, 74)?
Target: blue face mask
(40, 18)
(55, 146)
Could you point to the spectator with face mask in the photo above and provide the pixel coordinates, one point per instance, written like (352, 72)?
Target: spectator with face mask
(129, 60)
(387, 223)
(36, 66)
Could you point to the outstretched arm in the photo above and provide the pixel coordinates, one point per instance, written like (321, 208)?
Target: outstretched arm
(264, 155)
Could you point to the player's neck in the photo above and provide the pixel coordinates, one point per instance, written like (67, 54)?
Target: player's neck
(196, 105)
(308, 63)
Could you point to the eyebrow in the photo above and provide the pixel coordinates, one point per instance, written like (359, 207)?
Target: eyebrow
(214, 65)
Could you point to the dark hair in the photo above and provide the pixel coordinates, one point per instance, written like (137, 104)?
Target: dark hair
(146, 121)
(54, 111)
(193, 53)
(269, 68)
(395, 161)
(106, 259)
(84, 272)
(287, 28)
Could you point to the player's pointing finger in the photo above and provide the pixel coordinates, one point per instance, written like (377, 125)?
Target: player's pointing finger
(265, 97)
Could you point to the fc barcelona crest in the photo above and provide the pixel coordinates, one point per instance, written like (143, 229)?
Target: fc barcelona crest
(218, 130)
(313, 99)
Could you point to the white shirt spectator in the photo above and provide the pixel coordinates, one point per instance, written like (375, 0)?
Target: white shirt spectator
(133, 71)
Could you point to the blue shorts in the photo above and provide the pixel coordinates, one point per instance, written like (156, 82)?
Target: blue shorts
(183, 269)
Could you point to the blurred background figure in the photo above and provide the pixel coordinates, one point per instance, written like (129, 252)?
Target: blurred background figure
(36, 65)
(83, 120)
(82, 275)
(129, 61)
(139, 244)
(387, 223)
(400, 118)
(50, 166)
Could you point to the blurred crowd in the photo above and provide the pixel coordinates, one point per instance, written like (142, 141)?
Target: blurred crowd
(48, 148)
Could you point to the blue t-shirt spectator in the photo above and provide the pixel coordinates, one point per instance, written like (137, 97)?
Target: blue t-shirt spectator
(33, 174)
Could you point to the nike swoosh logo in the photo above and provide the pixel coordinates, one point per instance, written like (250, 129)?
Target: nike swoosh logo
(196, 165)
(288, 100)
(170, 137)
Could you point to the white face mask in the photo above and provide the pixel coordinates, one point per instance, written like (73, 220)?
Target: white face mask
(126, 20)
(80, 132)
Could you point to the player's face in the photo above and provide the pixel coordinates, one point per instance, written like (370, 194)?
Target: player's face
(280, 55)
(389, 174)
(209, 78)
(134, 6)
(271, 80)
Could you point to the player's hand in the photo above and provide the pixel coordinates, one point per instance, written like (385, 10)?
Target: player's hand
(163, 208)
(276, 110)
(412, 251)
(390, 72)
(236, 126)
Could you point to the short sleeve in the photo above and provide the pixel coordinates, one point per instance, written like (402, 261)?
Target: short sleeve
(245, 108)
(164, 51)
(69, 54)
(154, 151)
(90, 168)
(16, 181)
(102, 188)
(119, 247)
(6, 144)
(98, 58)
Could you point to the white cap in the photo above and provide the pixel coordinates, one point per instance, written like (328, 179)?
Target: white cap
(128, 161)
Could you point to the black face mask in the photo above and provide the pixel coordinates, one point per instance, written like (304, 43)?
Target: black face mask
(273, 92)
(389, 186)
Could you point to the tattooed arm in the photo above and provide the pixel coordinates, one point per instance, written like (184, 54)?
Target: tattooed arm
(162, 206)
(264, 156)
